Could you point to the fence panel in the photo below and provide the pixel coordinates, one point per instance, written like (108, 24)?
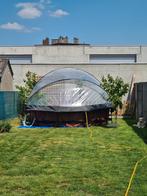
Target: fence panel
(140, 97)
(9, 102)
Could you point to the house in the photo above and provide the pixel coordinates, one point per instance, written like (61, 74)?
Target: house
(124, 61)
(6, 75)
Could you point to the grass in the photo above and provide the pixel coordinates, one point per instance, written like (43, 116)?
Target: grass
(65, 161)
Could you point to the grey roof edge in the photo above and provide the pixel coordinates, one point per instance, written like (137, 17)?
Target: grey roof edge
(7, 63)
(83, 44)
(70, 64)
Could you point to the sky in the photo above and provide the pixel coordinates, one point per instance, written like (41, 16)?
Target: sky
(96, 22)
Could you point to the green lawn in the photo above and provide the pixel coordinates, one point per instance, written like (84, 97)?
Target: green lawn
(65, 161)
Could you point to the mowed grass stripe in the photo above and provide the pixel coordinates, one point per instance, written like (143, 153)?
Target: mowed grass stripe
(64, 161)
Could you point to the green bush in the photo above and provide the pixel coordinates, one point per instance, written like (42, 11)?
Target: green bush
(25, 90)
(5, 126)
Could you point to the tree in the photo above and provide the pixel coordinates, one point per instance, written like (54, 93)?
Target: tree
(116, 89)
(25, 90)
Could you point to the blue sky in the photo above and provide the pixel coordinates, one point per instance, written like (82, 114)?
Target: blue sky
(98, 22)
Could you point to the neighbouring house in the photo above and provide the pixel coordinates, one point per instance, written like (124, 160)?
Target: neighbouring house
(124, 61)
(6, 75)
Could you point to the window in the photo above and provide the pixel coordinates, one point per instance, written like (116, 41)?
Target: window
(18, 59)
(112, 58)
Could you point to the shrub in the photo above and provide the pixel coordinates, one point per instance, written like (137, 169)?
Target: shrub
(116, 88)
(26, 89)
(5, 126)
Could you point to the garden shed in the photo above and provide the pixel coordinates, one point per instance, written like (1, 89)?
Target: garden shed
(65, 96)
(8, 98)
(6, 75)
(140, 100)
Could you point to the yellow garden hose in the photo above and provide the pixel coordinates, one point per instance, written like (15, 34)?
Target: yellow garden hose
(135, 167)
(133, 174)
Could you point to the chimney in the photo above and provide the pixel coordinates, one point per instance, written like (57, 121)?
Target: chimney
(54, 41)
(76, 40)
(65, 40)
(45, 42)
(61, 40)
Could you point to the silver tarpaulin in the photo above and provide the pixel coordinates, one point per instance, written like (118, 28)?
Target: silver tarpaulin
(68, 90)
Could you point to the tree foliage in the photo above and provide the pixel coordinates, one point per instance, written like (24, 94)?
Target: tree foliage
(116, 88)
(25, 90)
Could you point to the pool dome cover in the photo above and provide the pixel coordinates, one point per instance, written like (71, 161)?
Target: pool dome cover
(68, 90)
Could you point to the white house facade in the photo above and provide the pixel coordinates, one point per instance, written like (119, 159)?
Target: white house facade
(123, 61)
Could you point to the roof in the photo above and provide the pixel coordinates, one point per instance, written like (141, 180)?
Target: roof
(3, 64)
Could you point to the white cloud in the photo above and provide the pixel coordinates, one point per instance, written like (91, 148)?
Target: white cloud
(12, 26)
(18, 27)
(29, 13)
(58, 13)
(29, 10)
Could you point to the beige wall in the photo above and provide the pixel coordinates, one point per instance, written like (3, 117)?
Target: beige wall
(72, 54)
(16, 50)
(47, 58)
(126, 71)
(6, 80)
(59, 54)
